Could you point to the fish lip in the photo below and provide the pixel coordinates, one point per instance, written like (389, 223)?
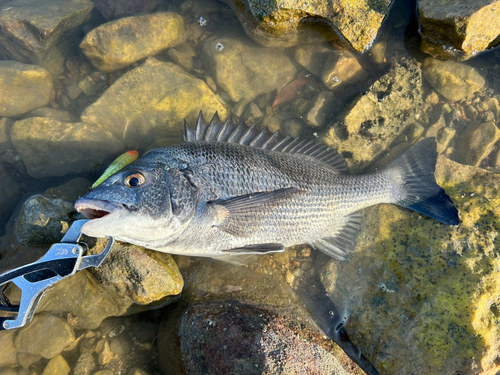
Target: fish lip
(97, 208)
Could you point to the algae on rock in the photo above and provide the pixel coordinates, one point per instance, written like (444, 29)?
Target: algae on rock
(419, 289)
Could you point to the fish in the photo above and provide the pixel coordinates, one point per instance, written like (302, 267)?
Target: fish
(231, 190)
(121, 161)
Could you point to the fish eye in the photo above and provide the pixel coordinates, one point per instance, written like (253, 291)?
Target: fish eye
(134, 180)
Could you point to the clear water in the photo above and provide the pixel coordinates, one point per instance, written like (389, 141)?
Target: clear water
(265, 281)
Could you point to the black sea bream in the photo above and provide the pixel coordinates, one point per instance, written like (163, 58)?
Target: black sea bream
(235, 190)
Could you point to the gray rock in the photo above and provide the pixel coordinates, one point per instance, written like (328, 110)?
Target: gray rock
(320, 110)
(244, 71)
(451, 79)
(24, 87)
(57, 366)
(476, 142)
(150, 101)
(52, 148)
(57, 334)
(119, 43)
(8, 357)
(113, 9)
(10, 193)
(41, 32)
(470, 27)
(43, 221)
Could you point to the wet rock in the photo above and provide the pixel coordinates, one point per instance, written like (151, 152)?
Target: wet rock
(340, 68)
(140, 275)
(417, 288)
(24, 87)
(10, 193)
(57, 334)
(117, 44)
(52, 148)
(446, 135)
(120, 346)
(313, 56)
(150, 101)
(106, 355)
(137, 371)
(55, 114)
(182, 59)
(320, 110)
(9, 352)
(57, 366)
(25, 360)
(41, 32)
(252, 114)
(273, 123)
(276, 25)
(113, 9)
(43, 221)
(376, 118)
(476, 142)
(231, 337)
(451, 79)
(244, 71)
(85, 364)
(470, 27)
(144, 331)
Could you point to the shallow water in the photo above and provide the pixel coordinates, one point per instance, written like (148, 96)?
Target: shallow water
(390, 316)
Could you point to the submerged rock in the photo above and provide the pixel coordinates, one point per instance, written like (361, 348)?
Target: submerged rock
(114, 9)
(41, 32)
(451, 79)
(244, 71)
(150, 101)
(52, 148)
(9, 352)
(24, 87)
(57, 366)
(277, 24)
(419, 289)
(377, 117)
(470, 26)
(476, 142)
(119, 43)
(10, 193)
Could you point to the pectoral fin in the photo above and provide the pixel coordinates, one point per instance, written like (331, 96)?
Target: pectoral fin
(244, 215)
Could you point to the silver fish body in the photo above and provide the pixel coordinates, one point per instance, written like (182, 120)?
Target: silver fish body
(232, 190)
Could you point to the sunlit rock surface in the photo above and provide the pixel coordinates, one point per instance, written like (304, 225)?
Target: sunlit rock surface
(113, 9)
(24, 87)
(378, 116)
(52, 148)
(275, 23)
(119, 43)
(246, 71)
(151, 101)
(424, 291)
(41, 31)
(469, 26)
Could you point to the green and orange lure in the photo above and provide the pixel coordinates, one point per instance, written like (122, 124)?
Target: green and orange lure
(120, 162)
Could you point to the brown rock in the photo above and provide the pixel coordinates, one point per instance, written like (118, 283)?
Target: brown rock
(476, 142)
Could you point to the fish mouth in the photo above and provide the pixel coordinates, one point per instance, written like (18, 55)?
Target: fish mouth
(96, 209)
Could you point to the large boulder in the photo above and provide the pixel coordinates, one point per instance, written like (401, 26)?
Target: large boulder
(469, 26)
(423, 290)
(151, 101)
(53, 148)
(119, 43)
(41, 32)
(24, 87)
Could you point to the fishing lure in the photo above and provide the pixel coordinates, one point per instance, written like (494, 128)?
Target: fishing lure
(120, 162)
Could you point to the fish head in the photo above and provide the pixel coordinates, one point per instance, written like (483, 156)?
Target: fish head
(135, 205)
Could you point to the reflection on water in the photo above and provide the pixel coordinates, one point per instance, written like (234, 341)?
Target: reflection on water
(416, 297)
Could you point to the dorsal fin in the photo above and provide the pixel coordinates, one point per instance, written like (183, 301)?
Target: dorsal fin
(228, 131)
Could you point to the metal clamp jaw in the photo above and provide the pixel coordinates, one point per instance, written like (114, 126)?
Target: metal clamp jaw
(61, 260)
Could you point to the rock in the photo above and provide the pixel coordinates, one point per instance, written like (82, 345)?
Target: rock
(52, 148)
(451, 79)
(25, 360)
(313, 56)
(244, 71)
(140, 275)
(9, 352)
(55, 114)
(57, 366)
(252, 113)
(276, 25)
(144, 331)
(416, 288)
(106, 355)
(273, 123)
(105, 372)
(341, 68)
(231, 337)
(476, 142)
(85, 364)
(320, 110)
(377, 117)
(113, 9)
(41, 32)
(57, 334)
(117, 44)
(446, 135)
(137, 371)
(182, 59)
(24, 87)
(43, 221)
(151, 100)
(10, 193)
(120, 346)
(470, 27)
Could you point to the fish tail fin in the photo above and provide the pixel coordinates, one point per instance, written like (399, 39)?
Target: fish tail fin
(415, 186)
